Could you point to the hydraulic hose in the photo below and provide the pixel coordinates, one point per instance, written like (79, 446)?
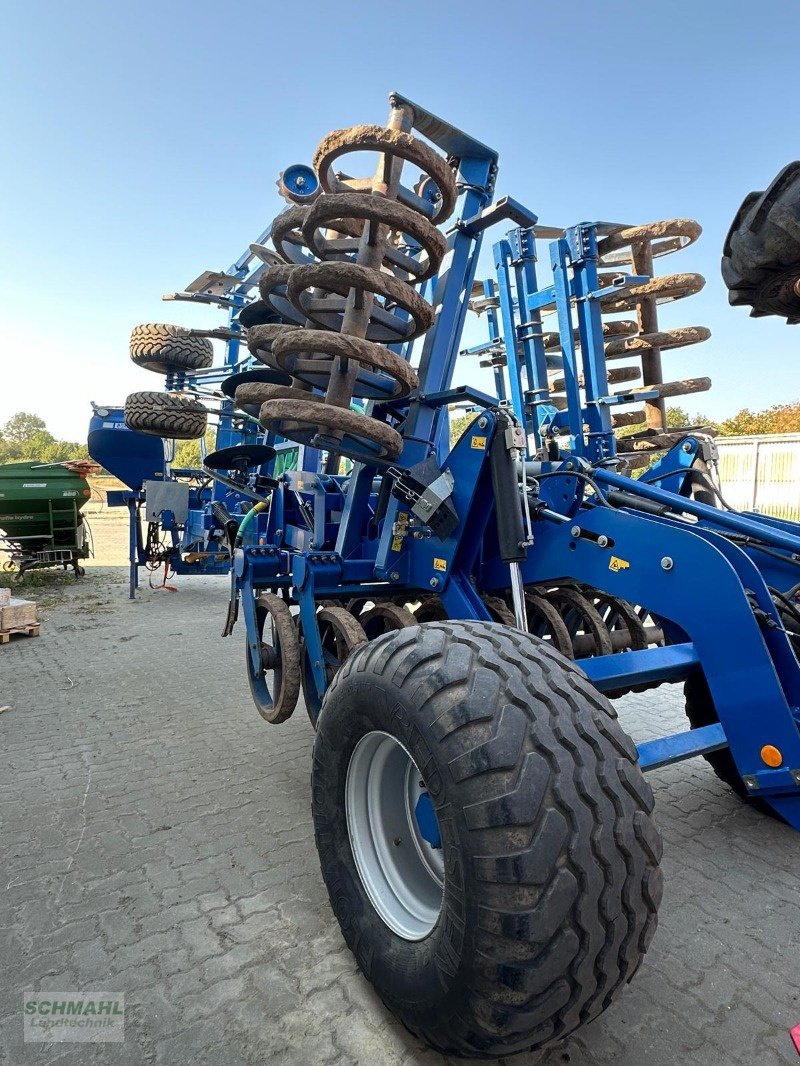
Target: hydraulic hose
(248, 521)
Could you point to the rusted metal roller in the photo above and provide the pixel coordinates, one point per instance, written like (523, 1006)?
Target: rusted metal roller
(348, 270)
(347, 212)
(309, 354)
(261, 338)
(635, 460)
(272, 286)
(391, 144)
(431, 609)
(546, 623)
(252, 394)
(282, 392)
(340, 279)
(275, 683)
(669, 235)
(673, 388)
(627, 418)
(287, 236)
(615, 377)
(662, 290)
(651, 440)
(612, 328)
(309, 420)
(626, 629)
(499, 611)
(670, 338)
(635, 248)
(580, 618)
(385, 618)
(340, 635)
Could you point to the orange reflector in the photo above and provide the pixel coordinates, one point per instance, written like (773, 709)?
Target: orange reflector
(771, 755)
(87, 492)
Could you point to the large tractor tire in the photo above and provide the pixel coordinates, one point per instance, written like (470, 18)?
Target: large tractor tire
(485, 835)
(163, 348)
(761, 257)
(164, 414)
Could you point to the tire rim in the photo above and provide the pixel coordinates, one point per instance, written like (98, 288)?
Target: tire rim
(401, 871)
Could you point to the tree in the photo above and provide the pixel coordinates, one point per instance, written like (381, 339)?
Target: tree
(782, 418)
(458, 423)
(22, 428)
(25, 437)
(677, 418)
(187, 453)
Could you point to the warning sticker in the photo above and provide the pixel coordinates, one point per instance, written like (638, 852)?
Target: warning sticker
(397, 544)
(616, 564)
(478, 442)
(440, 564)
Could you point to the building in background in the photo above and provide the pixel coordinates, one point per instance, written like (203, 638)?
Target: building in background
(762, 473)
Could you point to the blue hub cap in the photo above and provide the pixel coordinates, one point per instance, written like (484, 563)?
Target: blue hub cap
(427, 821)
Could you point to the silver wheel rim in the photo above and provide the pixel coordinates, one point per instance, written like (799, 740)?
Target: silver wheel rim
(402, 873)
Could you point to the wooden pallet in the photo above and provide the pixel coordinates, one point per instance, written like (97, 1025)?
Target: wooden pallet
(25, 631)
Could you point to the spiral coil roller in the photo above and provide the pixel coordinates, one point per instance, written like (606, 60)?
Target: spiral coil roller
(344, 287)
(634, 248)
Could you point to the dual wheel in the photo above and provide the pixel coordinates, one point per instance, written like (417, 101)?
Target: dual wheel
(168, 349)
(484, 832)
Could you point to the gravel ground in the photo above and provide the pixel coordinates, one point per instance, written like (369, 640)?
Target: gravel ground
(156, 840)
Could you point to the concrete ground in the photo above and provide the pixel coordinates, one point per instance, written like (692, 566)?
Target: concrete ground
(156, 840)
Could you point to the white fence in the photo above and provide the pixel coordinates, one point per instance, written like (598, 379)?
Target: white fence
(762, 473)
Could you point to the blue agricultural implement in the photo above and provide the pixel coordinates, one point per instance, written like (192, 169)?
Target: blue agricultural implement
(191, 515)
(459, 618)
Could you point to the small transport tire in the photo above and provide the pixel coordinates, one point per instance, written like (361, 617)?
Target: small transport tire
(165, 414)
(485, 835)
(163, 348)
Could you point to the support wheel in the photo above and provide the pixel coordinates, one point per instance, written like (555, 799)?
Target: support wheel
(165, 414)
(485, 837)
(163, 348)
(276, 697)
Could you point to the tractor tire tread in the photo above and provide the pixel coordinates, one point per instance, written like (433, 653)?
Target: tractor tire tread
(163, 414)
(563, 854)
(160, 347)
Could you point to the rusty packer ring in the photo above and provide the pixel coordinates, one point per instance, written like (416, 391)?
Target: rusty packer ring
(340, 278)
(389, 142)
(308, 421)
(669, 235)
(309, 355)
(338, 212)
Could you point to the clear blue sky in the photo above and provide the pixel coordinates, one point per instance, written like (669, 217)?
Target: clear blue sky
(142, 142)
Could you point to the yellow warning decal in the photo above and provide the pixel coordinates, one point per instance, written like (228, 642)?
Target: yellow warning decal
(440, 564)
(478, 442)
(616, 564)
(397, 544)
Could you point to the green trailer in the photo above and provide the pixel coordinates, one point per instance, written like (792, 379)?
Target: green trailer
(41, 524)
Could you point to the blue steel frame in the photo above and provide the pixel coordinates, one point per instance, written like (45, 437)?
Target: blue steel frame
(707, 579)
(233, 428)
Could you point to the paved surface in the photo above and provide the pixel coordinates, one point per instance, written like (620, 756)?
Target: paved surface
(156, 840)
